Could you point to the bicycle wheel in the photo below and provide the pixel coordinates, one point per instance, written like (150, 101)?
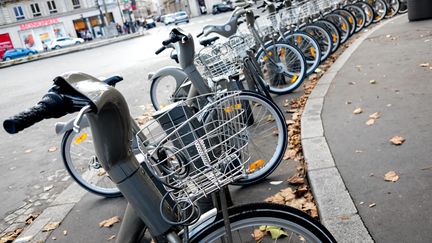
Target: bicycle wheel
(341, 23)
(359, 15)
(309, 47)
(285, 71)
(294, 225)
(83, 166)
(403, 7)
(393, 7)
(165, 90)
(334, 32)
(322, 36)
(369, 12)
(350, 17)
(267, 136)
(380, 9)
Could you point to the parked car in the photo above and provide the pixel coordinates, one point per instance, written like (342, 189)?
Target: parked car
(64, 42)
(221, 7)
(17, 53)
(241, 3)
(169, 19)
(181, 17)
(150, 23)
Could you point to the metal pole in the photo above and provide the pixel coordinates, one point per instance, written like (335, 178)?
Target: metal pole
(121, 11)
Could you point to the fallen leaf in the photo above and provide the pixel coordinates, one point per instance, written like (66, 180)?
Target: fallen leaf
(275, 132)
(296, 180)
(351, 83)
(275, 232)
(101, 172)
(375, 115)
(361, 203)
(318, 70)
(31, 218)
(50, 226)
(28, 151)
(276, 182)
(47, 188)
(111, 237)
(391, 176)
(370, 122)
(109, 222)
(54, 238)
(290, 154)
(388, 36)
(65, 232)
(358, 111)
(359, 151)
(348, 102)
(372, 205)
(288, 194)
(270, 118)
(425, 64)
(10, 236)
(52, 149)
(289, 122)
(258, 235)
(397, 140)
(427, 168)
(372, 81)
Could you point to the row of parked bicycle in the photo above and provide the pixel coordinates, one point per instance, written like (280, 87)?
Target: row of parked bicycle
(217, 126)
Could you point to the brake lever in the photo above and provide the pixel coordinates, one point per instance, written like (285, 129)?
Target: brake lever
(79, 117)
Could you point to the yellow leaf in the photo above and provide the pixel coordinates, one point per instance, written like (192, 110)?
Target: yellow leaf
(270, 118)
(397, 140)
(391, 176)
(109, 222)
(50, 226)
(275, 232)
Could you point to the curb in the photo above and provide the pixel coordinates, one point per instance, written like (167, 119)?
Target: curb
(337, 211)
(71, 49)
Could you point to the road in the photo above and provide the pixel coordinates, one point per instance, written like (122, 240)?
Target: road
(27, 169)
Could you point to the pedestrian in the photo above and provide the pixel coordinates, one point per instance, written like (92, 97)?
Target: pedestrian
(45, 46)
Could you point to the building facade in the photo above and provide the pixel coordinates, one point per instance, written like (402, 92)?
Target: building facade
(30, 23)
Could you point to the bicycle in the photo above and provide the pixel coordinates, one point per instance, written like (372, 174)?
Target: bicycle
(106, 109)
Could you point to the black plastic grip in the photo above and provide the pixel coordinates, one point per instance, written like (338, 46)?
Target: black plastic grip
(158, 51)
(200, 34)
(50, 106)
(111, 81)
(167, 41)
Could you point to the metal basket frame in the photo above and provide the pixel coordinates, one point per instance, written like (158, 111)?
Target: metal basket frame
(200, 154)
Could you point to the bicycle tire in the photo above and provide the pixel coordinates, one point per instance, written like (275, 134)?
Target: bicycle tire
(309, 47)
(294, 62)
(369, 12)
(91, 179)
(350, 17)
(380, 9)
(162, 95)
(403, 7)
(260, 128)
(393, 7)
(322, 36)
(341, 23)
(255, 215)
(359, 15)
(334, 32)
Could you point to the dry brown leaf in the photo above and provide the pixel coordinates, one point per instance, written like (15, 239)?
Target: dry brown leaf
(11, 236)
(54, 238)
(372, 205)
(289, 122)
(425, 64)
(111, 237)
(65, 232)
(31, 218)
(375, 115)
(101, 172)
(296, 180)
(288, 194)
(258, 235)
(397, 140)
(358, 111)
(50, 226)
(52, 149)
(314, 213)
(359, 151)
(290, 154)
(309, 206)
(391, 176)
(370, 122)
(109, 222)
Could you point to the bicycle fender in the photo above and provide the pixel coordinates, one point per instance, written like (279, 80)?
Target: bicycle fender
(178, 73)
(205, 220)
(62, 127)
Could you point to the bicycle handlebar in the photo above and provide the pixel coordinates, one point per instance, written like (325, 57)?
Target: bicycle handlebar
(200, 34)
(51, 106)
(158, 51)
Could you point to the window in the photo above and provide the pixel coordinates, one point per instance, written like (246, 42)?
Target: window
(76, 4)
(19, 14)
(35, 9)
(52, 7)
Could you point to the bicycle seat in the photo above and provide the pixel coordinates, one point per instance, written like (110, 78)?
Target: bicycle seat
(208, 41)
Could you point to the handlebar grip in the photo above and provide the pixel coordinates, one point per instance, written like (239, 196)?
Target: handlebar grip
(167, 42)
(50, 106)
(158, 51)
(200, 34)
(111, 81)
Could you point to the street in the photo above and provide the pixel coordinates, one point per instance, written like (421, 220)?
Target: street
(31, 175)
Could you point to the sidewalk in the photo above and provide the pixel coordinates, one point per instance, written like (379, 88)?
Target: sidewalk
(362, 154)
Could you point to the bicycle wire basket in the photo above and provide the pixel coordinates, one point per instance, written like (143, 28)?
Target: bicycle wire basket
(195, 149)
(289, 16)
(267, 24)
(217, 62)
(240, 44)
